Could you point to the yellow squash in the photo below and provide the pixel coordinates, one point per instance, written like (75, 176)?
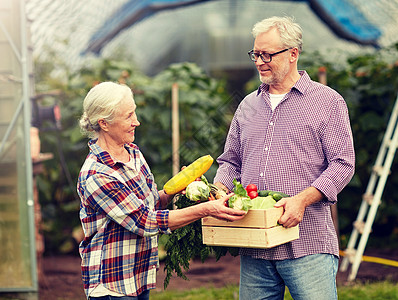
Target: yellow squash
(181, 180)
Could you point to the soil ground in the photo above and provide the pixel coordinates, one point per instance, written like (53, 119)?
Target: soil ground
(62, 280)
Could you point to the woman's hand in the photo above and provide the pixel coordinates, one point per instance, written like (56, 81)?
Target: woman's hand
(215, 208)
(219, 209)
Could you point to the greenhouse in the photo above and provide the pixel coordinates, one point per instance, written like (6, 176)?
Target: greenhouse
(187, 65)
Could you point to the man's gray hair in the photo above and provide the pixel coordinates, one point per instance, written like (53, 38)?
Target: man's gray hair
(290, 32)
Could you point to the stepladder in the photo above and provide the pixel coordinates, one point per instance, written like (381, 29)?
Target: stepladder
(371, 199)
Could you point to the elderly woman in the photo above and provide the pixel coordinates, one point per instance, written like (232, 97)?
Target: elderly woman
(121, 208)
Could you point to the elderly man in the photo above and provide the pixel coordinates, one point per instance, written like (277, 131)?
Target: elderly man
(291, 135)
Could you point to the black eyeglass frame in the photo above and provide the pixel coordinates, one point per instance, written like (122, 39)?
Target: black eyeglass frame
(253, 58)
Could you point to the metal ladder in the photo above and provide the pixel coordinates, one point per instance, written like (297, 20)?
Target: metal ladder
(372, 197)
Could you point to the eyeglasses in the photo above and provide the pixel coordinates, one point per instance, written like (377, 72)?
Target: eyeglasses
(265, 57)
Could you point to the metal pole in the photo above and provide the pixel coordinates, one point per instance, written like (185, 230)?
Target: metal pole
(28, 158)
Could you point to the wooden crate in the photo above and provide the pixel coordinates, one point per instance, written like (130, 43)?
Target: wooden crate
(258, 229)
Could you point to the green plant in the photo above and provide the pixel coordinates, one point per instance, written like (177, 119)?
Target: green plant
(185, 243)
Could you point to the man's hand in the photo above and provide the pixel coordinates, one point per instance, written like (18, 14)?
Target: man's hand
(293, 211)
(294, 207)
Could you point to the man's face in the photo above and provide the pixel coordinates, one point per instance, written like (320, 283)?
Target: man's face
(276, 71)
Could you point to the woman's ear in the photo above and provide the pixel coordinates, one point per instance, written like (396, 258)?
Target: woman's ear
(103, 124)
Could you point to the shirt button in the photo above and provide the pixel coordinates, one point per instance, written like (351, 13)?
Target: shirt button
(266, 149)
(271, 123)
(261, 174)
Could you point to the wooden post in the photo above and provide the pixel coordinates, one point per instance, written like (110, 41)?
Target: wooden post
(322, 75)
(175, 131)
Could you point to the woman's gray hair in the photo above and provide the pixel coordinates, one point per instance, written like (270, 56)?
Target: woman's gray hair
(101, 102)
(290, 32)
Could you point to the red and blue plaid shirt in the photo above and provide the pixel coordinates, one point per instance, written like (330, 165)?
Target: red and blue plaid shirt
(305, 141)
(121, 223)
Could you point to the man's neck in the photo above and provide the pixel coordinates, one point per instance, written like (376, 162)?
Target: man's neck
(286, 85)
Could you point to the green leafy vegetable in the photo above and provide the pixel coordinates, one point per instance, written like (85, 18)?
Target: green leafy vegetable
(240, 200)
(263, 202)
(198, 191)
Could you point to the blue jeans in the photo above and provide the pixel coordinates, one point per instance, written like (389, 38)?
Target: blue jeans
(142, 296)
(311, 277)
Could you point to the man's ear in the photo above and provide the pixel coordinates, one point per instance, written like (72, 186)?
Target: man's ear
(294, 55)
(103, 124)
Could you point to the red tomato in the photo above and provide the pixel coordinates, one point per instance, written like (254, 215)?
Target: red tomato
(251, 187)
(252, 194)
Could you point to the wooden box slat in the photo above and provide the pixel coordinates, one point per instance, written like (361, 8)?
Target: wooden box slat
(258, 229)
(255, 218)
(248, 237)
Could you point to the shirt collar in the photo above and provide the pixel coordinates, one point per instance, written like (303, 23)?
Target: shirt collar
(104, 156)
(301, 85)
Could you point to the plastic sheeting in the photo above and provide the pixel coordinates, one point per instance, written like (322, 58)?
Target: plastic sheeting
(342, 17)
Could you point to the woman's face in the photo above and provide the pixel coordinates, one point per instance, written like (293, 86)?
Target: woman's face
(122, 129)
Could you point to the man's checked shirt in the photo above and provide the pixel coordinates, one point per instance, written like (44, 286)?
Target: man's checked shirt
(305, 141)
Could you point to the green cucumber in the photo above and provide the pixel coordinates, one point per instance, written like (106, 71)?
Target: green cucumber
(276, 195)
(263, 193)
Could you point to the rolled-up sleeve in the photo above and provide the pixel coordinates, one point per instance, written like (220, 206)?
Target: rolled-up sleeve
(122, 206)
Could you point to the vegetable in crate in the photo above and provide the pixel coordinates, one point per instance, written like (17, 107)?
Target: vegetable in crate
(181, 180)
(276, 195)
(263, 202)
(240, 200)
(251, 187)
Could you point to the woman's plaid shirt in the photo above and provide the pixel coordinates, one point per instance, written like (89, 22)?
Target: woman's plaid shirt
(119, 216)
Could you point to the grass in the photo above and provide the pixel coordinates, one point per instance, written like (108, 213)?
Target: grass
(383, 290)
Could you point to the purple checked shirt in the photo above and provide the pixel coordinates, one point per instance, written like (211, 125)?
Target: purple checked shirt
(306, 141)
